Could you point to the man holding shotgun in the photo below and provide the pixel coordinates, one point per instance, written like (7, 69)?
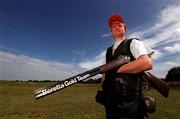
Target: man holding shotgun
(120, 89)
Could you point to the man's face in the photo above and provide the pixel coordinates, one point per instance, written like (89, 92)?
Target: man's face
(118, 29)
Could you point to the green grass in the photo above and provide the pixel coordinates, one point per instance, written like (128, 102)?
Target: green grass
(75, 102)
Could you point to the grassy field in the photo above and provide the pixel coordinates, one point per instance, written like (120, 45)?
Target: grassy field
(75, 102)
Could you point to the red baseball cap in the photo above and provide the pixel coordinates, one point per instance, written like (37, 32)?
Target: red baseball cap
(115, 18)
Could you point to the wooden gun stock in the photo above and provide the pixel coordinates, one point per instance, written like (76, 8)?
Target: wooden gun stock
(160, 85)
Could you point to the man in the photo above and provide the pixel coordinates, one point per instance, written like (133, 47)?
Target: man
(120, 89)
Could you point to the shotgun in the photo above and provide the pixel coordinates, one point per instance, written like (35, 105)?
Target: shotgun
(161, 86)
(121, 60)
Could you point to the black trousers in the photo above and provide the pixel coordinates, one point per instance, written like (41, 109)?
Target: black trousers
(113, 113)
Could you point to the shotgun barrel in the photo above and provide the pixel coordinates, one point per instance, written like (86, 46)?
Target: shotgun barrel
(121, 60)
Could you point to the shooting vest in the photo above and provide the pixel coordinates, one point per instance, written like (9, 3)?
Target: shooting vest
(123, 91)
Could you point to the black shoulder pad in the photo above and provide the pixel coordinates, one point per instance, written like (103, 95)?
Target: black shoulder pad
(133, 39)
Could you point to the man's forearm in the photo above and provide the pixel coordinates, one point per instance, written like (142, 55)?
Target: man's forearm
(143, 63)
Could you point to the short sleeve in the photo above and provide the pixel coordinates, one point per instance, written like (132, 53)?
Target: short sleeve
(138, 49)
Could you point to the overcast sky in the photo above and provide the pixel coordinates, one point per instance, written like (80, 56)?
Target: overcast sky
(53, 40)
